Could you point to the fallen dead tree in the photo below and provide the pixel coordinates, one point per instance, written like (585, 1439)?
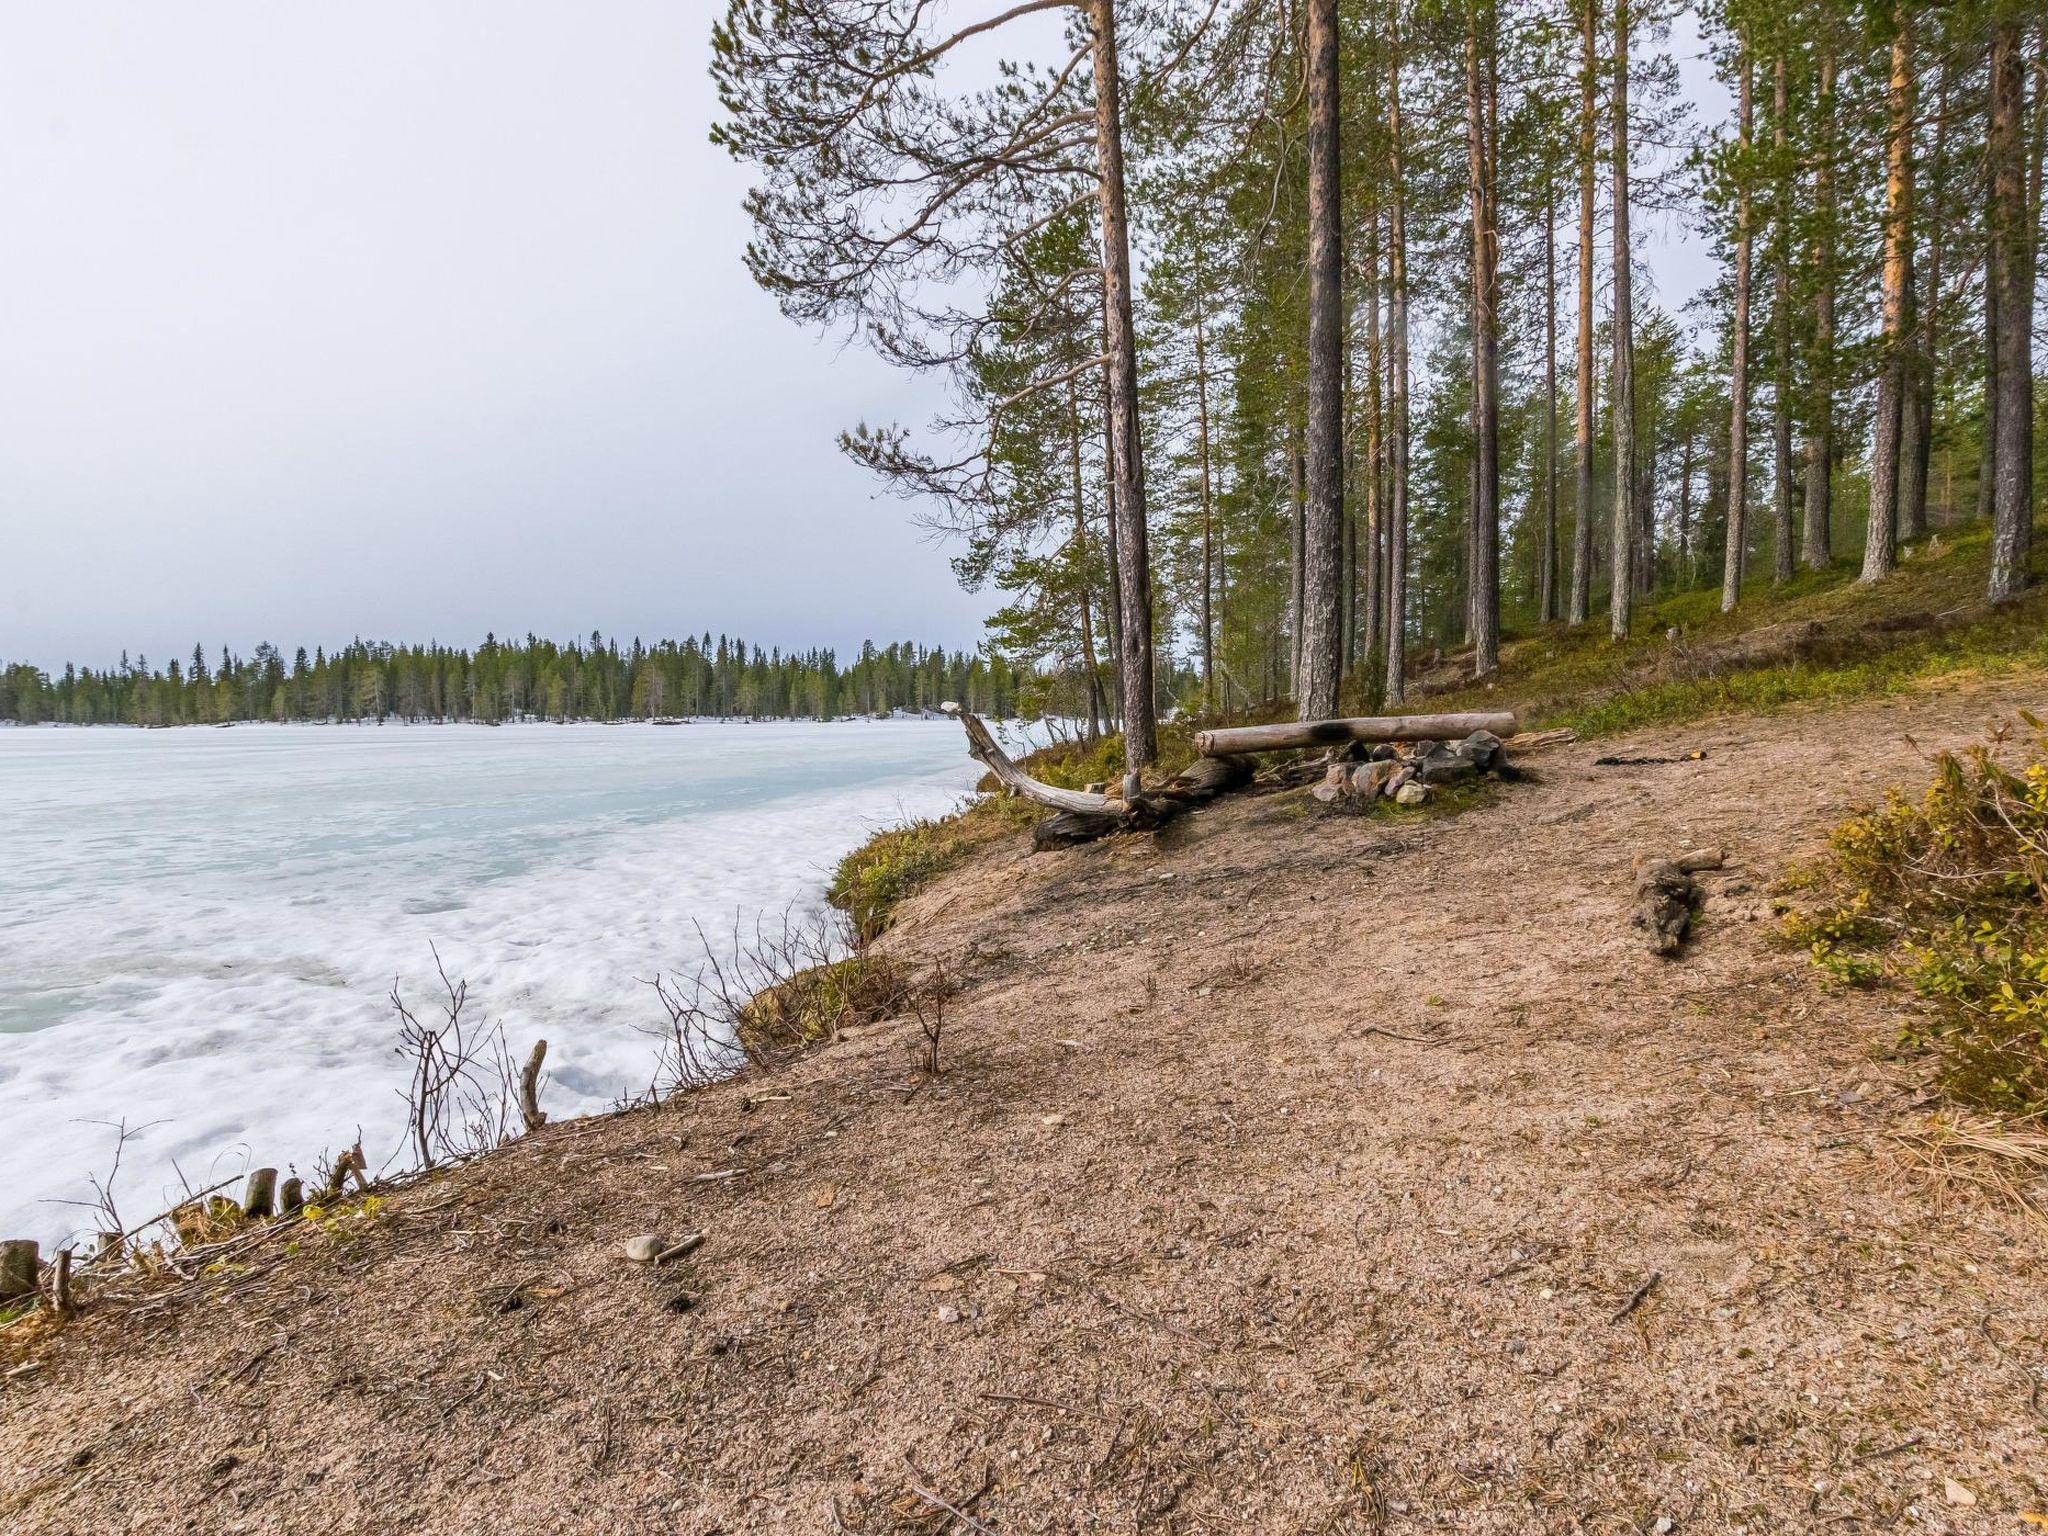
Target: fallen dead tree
(1293, 735)
(1084, 815)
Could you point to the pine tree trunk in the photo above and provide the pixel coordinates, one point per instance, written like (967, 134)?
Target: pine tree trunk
(1297, 595)
(1818, 537)
(2009, 280)
(1621, 592)
(1781, 316)
(1685, 539)
(1109, 519)
(1322, 640)
(1081, 563)
(1141, 744)
(1373, 622)
(1397, 385)
(1582, 527)
(1917, 429)
(1880, 534)
(1547, 583)
(1485, 561)
(1208, 511)
(1737, 548)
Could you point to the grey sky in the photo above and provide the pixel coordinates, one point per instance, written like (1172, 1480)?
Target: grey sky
(410, 320)
(413, 321)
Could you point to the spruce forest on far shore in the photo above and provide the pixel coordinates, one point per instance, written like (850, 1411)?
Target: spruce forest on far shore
(500, 680)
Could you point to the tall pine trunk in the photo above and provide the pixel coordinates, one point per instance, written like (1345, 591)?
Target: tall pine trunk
(1880, 534)
(1208, 508)
(1818, 537)
(1086, 577)
(1547, 582)
(1781, 325)
(1141, 741)
(1737, 548)
(1397, 379)
(2009, 280)
(1916, 445)
(1322, 640)
(1485, 562)
(1622, 587)
(1373, 622)
(1582, 526)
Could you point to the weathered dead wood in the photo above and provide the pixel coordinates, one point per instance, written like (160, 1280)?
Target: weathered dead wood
(1529, 741)
(1290, 735)
(986, 750)
(1665, 896)
(1085, 815)
(350, 1162)
(529, 1088)
(60, 1284)
(21, 1260)
(1202, 781)
(260, 1197)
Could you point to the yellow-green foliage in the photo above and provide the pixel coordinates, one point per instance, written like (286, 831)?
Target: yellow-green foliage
(889, 868)
(816, 1004)
(879, 876)
(1928, 620)
(1950, 894)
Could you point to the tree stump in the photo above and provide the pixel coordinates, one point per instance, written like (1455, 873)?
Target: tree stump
(20, 1264)
(260, 1197)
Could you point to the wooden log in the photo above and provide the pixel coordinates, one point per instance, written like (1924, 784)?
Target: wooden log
(259, 1198)
(291, 1197)
(984, 749)
(529, 1088)
(21, 1260)
(107, 1244)
(1289, 735)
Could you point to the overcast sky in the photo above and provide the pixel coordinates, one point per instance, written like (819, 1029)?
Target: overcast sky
(411, 321)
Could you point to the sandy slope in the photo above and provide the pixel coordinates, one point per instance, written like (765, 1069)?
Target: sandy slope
(1271, 1268)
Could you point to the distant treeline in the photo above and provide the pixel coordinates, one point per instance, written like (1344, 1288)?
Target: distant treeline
(500, 680)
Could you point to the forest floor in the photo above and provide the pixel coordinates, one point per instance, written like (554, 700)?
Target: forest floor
(1288, 1171)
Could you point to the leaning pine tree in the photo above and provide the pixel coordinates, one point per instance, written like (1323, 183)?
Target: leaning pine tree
(888, 204)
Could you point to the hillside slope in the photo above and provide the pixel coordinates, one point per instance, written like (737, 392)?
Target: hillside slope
(1291, 1171)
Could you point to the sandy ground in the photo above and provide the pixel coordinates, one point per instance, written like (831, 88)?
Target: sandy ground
(1187, 1236)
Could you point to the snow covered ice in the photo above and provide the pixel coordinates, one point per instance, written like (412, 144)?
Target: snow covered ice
(200, 927)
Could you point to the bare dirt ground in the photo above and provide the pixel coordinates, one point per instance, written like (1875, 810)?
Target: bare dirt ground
(1188, 1236)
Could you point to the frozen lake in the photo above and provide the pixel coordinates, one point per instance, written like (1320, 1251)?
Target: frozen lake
(199, 927)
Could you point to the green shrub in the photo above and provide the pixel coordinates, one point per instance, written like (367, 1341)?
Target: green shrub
(879, 876)
(817, 1003)
(1949, 894)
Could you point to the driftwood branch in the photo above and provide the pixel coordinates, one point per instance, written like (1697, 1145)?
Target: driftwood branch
(1289, 735)
(529, 1088)
(983, 747)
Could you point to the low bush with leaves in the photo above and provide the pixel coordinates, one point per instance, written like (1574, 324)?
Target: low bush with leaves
(1949, 894)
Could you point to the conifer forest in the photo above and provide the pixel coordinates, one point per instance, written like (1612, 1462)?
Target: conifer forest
(1286, 340)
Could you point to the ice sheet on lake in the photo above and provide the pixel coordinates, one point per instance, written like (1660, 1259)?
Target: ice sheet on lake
(200, 927)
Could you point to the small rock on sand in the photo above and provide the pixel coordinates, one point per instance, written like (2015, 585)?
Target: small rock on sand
(645, 1248)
